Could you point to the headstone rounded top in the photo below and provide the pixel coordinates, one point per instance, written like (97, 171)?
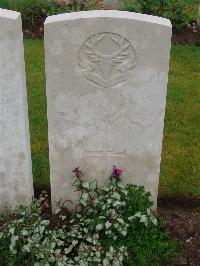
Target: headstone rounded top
(108, 14)
(4, 13)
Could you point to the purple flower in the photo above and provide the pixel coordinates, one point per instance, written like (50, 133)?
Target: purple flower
(116, 172)
(194, 27)
(194, 30)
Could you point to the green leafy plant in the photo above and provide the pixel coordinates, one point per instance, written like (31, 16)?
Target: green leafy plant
(111, 225)
(84, 5)
(180, 12)
(34, 12)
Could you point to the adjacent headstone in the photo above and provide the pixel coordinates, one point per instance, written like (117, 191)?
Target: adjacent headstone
(16, 186)
(107, 75)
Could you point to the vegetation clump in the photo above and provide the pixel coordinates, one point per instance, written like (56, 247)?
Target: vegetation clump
(34, 12)
(180, 12)
(111, 225)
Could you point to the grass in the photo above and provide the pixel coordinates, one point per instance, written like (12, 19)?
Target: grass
(193, 9)
(35, 75)
(180, 166)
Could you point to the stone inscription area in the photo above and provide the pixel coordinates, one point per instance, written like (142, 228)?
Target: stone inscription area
(107, 59)
(104, 160)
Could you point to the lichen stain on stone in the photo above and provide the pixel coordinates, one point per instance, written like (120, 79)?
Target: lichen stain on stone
(62, 176)
(21, 196)
(65, 160)
(2, 178)
(22, 156)
(147, 159)
(151, 161)
(93, 165)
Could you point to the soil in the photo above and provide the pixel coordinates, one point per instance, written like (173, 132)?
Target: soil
(186, 36)
(183, 224)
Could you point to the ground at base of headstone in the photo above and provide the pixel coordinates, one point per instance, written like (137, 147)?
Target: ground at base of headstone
(182, 218)
(183, 224)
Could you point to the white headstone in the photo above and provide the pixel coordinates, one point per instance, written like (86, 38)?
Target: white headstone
(16, 186)
(107, 75)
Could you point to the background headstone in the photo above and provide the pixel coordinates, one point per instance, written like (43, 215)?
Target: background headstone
(107, 75)
(16, 186)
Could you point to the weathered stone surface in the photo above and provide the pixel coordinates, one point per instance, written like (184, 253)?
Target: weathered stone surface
(107, 77)
(16, 185)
